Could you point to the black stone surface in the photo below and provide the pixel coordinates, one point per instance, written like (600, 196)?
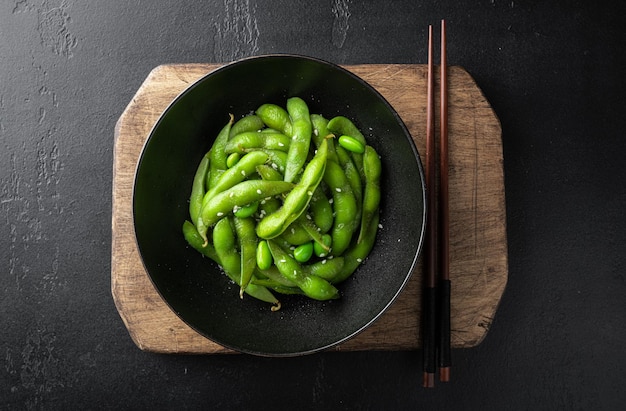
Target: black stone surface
(553, 71)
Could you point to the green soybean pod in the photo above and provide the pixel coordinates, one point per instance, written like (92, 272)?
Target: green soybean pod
(237, 173)
(198, 187)
(254, 140)
(358, 252)
(196, 242)
(247, 240)
(273, 274)
(278, 287)
(295, 234)
(321, 132)
(372, 169)
(269, 173)
(345, 206)
(321, 210)
(240, 194)
(218, 156)
(276, 117)
(354, 179)
(341, 125)
(327, 268)
(312, 230)
(247, 123)
(224, 240)
(300, 137)
(313, 287)
(297, 200)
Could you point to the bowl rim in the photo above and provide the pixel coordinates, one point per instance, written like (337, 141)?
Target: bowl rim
(225, 66)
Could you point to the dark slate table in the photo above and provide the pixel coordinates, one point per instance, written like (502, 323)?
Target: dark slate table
(553, 72)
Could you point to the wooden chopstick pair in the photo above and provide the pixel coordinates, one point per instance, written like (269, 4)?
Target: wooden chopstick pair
(436, 294)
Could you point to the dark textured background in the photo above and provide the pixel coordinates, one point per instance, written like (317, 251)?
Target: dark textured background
(553, 72)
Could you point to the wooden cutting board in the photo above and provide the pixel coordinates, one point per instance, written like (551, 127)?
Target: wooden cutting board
(478, 245)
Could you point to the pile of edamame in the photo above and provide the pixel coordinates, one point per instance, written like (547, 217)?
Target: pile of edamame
(286, 202)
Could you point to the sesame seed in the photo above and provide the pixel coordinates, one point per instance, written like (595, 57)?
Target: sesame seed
(243, 173)
(281, 144)
(283, 261)
(330, 201)
(338, 190)
(380, 226)
(219, 214)
(232, 193)
(258, 191)
(359, 260)
(316, 132)
(323, 261)
(310, 193)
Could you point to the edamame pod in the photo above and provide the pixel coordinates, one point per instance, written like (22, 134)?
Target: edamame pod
(247, 123)
(300, 137)
(275, 117)
(198, 188)
(297, 200)
(312, 286)
(218, 156)
(254, 140)
(247, 239)
(224, 238)
(354, 256)
(372, 168)
(345, 207)
(240, 194)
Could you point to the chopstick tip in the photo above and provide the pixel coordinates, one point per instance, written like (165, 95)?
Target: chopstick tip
(444, 374)
(429, 380)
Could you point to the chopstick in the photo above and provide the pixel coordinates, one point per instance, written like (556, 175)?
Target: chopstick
(430, 258)
(444, 222)
(436, 298)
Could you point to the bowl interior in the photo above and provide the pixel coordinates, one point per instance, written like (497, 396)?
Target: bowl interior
(194, 287)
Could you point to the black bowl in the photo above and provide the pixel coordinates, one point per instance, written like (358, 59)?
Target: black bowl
(194, 287)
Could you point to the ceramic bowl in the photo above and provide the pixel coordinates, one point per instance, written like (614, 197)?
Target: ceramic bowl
(194, 287)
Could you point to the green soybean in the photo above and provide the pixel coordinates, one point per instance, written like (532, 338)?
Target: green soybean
(232, 159)
(321, 250)
(263, 256)
(246, 211)
(351, 144)
(304, 252)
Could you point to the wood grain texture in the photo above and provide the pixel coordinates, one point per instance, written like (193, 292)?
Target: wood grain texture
(478, 244)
